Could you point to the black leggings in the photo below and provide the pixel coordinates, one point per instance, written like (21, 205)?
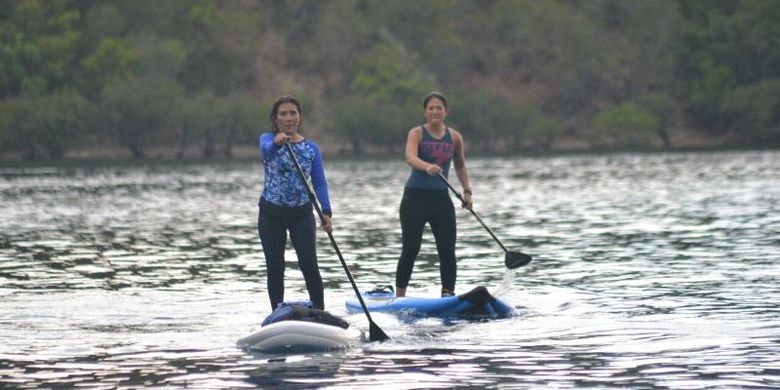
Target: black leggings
(434, 207)
(273, 235)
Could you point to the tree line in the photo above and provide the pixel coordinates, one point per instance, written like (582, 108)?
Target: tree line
(199, 76)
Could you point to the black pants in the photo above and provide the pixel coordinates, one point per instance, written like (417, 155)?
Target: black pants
(273, 227)
(419, 207)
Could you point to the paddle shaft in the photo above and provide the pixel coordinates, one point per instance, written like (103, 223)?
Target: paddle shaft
(474, 213)
(372, 326)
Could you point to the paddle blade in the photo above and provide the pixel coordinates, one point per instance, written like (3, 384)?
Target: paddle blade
(375, 333)
(516, 259)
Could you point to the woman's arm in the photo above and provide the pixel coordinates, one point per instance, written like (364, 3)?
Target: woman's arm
(321, 188)
(268, 146)
(319, 182)
(459, 160)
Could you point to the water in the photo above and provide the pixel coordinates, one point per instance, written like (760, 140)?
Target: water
(650, 271)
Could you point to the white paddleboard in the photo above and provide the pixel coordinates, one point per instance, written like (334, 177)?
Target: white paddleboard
(291, 335)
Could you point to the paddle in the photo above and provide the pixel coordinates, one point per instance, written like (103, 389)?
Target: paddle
(375, 333)
(511, 259)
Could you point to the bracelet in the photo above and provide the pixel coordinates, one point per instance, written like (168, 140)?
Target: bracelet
(467, 191)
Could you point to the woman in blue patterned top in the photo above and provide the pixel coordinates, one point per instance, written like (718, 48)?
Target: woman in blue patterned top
(430, 148)
(285, 205)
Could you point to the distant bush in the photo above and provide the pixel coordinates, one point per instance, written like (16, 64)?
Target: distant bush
(666, 109)
(216, 125)
(494, 124)
(362, 122)
(624, 126)
(140, 112)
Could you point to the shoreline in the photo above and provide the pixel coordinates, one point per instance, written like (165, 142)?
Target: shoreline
(684, 142)
(125, 158)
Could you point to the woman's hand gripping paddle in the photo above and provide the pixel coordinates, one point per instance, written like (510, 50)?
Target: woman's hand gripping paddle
(375, 333)
(512, 259)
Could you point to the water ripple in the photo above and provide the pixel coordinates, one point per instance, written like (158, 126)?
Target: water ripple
(650, 271)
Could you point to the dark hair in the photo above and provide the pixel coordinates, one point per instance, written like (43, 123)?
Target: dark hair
(275, 111)
(436, 95)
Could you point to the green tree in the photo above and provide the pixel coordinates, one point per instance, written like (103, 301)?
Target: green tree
(220, 47)
(239, 122)
(39, 46)
(520, 74)
(218, 124)
(114, 59)
(387, 83)
(140, 112)
(708, 89)
(390, 72)
(753, 112)
(433, 32)
(45, 126)
(198, 123)
(727, 45)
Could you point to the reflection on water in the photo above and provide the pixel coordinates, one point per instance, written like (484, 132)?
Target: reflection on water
(650, 271)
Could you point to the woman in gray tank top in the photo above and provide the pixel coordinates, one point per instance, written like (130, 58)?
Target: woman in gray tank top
(430, 149)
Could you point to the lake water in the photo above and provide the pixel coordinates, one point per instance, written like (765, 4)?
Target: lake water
(650, 271)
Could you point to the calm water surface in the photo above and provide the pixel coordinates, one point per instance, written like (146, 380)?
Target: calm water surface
(650, 271)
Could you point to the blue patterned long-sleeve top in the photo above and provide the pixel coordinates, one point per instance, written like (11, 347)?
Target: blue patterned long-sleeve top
(282, 184)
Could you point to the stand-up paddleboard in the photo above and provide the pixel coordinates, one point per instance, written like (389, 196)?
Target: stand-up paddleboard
(477, 303)
(297, 336)
(297, 327)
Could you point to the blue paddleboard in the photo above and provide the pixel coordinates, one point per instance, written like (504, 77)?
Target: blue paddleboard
(477, 303)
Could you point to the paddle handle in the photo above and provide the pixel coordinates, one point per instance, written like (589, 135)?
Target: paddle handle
(313, 198)
(474, 213)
